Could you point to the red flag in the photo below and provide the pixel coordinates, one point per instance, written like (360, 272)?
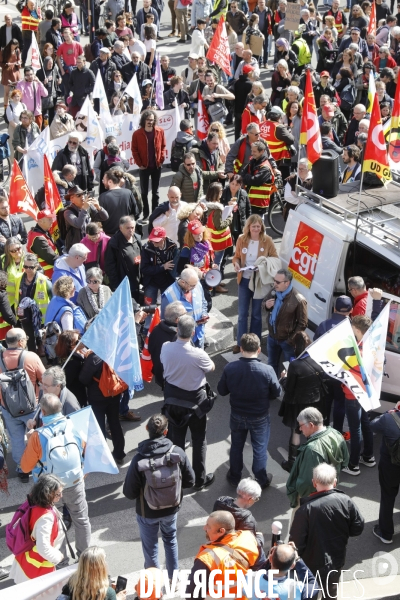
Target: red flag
(203, 122)
(310, 135)
(20, 197)
(372, 20)
(219, 51)
(375, 154)
(394, 136)
(52, 195)
(145, 359)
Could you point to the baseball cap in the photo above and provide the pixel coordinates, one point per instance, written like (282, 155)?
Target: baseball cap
(45, 214)
(146, 82)
(193, 55)
(343, 304)
(247, 69)
(195, 227)
(275, 110)
(324, 74)
(157, 234)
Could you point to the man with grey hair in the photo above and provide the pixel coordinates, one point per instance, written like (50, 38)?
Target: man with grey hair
(71, 264)
(254, 111)
(233, 163)
(322, 526)
(323, 445)
(36, 458)
(75, 154)
(16, 426)
(186, 400)
(286, 315)
(54, 382)
(165, 331)
(122, 257)
(118, 57)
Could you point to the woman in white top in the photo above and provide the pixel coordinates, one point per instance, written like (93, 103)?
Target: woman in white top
(150, 42)
(149, 23)
(13, 111)
(232, 37)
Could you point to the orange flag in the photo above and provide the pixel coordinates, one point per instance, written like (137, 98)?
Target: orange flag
(145, 359)
(20, 196)
(372, 20)
(51, 193)
(310, 135)
(219, 52)
(375, 154)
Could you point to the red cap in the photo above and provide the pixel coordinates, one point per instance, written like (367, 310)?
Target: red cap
(157, 234)
(247, 69)
(324, 74)
(45, 214)
(195, 227)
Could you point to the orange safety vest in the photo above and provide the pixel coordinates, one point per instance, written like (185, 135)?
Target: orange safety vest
(28, 21)
(259, 195)
(48, 269)
(31, 562)
(220, 240)
(338, 21)
(238, 163)
(220, 556)
(279, 150)
(252, 118)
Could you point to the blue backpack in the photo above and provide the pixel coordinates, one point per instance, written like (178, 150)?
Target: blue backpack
(63, 453)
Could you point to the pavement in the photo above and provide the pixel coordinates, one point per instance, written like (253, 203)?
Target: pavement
(114, 527)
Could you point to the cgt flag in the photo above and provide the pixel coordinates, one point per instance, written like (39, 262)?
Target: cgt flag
(310, 135)
(372, 19)
(112, 336)
(394, 135)
(219, 51)
(203, 121)
(338, 355)
(52, 195)
(375, 154)
(20, 197)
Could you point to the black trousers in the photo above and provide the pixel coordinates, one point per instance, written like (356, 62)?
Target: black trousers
(330, 581)
(198, 428)
(27, 40)
(109, 407)
(145, 176)
(238, 125)
(389, 480)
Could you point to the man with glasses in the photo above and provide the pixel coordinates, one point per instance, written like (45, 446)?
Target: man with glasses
(323, 445)
(355, 38)
(339, 16)
(189, 179)
(359, 113)
(10, 225)
(166, 215)
(240, 152)
(149, 151)
(123, 257)
(136, 66)
(16, 426)
(74, 154)
(305, 179)
(72, 264)
(286, 314)
(42, 244)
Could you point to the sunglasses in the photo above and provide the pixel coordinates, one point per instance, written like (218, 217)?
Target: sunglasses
(93, 281)
(29, 267)
(73, 143)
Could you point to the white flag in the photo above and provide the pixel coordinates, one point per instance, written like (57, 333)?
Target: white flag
(100, 93)
(33, 57)
(132, 89)
(33, 164)
(373, 351)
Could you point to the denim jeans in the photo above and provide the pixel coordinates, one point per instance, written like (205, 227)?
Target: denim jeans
(275, 349)
(259, 435)
(359, 422)
(16, 427)
(124, 403)
(245, 298)
(149, 536)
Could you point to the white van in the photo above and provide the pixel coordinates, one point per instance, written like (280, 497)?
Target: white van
(320, 248)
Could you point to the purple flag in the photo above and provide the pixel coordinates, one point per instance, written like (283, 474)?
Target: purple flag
(159, 85)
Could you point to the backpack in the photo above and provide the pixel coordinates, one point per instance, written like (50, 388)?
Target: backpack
(110, 384)
(16, 388)
(177, 153)
(63, 455)
(163, 485)
(394, 449)
(348, 96)
(87, 50)
(61, 222)
(18, 535)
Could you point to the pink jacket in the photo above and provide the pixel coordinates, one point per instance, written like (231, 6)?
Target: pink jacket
(28, 96)
(93, 248)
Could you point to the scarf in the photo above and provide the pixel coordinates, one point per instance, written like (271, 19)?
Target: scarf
(95, 301)
(277, 306)
(327, 41)
(198, 252)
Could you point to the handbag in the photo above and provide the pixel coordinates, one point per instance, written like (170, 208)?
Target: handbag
(217, 111)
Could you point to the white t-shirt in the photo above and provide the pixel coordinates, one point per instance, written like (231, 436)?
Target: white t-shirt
(150, 45)
(251, 257)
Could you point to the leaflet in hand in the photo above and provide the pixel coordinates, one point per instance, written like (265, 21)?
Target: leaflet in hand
(251, 268)
(227, 212)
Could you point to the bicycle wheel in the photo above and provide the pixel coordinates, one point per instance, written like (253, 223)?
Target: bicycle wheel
(275, 214)
(5, 171)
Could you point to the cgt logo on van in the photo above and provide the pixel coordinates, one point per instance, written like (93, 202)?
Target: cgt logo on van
(304, 258)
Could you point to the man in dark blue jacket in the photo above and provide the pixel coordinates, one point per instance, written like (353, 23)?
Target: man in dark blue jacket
(150, 519)
(250, 384)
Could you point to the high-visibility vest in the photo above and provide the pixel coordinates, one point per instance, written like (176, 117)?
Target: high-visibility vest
(278, 149)
(220, 239)
(221, 556)
(31, 562)
(28, 21)
(259, 195)
(48, 269)
(221, 12)
(41, 296)
(250, 117)
(338, 20)
(239, 160)
(304, 51)
(73, 26)
(12, 271)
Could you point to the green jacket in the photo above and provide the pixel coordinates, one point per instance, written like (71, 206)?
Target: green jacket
(325, 446)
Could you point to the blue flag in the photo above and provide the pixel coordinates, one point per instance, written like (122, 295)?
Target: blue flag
(112, 336)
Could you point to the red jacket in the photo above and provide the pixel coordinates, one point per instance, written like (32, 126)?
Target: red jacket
(360, 304)
(139, 147)
(390, 62)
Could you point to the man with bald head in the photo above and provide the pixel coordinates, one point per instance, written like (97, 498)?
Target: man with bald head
(359, 113)
(10, 31)
(226, 549)
(166, 214)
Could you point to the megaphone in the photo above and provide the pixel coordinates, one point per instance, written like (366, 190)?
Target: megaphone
(213, 278)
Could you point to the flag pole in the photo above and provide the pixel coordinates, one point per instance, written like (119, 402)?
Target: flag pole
(70, 356)
(358, 214)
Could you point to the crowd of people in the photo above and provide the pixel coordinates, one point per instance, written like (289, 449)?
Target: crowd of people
(112, 225)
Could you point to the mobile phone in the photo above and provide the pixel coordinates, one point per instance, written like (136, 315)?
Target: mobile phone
(121, 584)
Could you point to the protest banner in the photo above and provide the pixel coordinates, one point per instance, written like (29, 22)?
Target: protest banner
(292, 19)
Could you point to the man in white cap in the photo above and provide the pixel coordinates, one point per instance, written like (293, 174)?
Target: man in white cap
(106, 68)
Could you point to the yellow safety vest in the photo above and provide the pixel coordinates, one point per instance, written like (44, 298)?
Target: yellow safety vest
(12, 271)
(221, 12)
(41, 296)
(304, 51)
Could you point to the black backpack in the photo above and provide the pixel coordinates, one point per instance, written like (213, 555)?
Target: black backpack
(348, 96)
(394, 449)
(177, 153)
(17, 389)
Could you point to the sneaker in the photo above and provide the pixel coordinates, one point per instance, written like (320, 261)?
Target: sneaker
(130, 416)
(181, 42)
(350, 470)
(377, 532)
(210, 478)
(24, 477)
(368, 462)
(346, 435)
(144, 221)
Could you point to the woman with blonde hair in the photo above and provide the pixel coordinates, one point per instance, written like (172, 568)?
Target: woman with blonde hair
(90, 581)
(224, 147)
(252, 244)
(61, 308)
(191, 212)
(12, 262)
